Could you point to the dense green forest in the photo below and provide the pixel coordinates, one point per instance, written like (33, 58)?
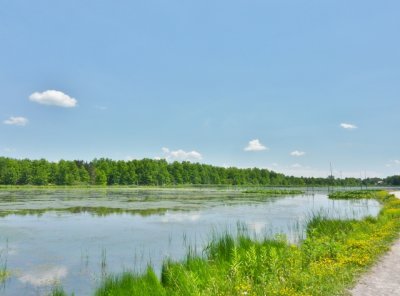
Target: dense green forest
(155, 172)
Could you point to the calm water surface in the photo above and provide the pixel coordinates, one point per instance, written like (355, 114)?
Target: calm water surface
(78, 249)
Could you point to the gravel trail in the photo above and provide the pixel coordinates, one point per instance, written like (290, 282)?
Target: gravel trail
(384, 278)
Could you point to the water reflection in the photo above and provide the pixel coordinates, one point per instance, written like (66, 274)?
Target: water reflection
(43, 275)
(180, 217)
(78, 248)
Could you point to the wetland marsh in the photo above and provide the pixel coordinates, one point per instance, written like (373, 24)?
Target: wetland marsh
(75, 237)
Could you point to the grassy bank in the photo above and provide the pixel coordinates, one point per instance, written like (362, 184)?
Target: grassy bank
(327, 261)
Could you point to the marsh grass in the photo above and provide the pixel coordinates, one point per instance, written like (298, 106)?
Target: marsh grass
(57, 290)
(326, 262)
(132, 284)
(356, 194)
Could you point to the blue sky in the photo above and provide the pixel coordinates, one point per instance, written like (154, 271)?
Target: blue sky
(204, 80)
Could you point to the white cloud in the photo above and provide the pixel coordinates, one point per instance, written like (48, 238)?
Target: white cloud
(18, 120)
(255, 145)
(181, 155)
(348, 126)
(297, 153)
(54, 98)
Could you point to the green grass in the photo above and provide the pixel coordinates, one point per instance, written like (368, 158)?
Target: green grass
(356, 194)
(132, 284)
(274, 191)
(58, 291)
(326, 262)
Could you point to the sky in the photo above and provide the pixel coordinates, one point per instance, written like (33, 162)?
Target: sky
(291, 86)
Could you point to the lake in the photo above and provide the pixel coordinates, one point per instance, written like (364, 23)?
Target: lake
(76, 236)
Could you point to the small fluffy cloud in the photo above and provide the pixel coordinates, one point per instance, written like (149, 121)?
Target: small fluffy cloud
(297, 153)
(348, 126)
(18, 120)
(54, 98)
(181, 155)
(255, 145)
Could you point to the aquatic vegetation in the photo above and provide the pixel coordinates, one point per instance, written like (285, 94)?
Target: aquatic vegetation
(3, 264)
(59, 291)
(96, 211)
(326, 262)
(132, 284)
(3, 274)
(274, 191)
(3, 268)
(356, 194)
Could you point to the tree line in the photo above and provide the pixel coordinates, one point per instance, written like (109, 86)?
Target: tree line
(155, 172)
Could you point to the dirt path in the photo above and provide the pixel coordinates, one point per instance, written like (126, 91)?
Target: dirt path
(384, 278)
